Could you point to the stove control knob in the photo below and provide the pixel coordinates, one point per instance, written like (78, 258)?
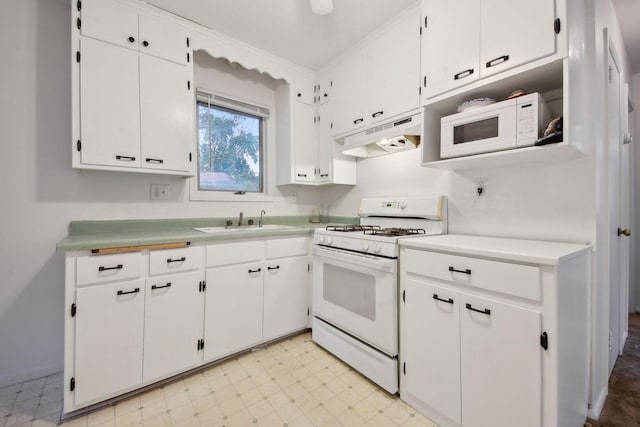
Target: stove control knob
(403, 205)
(376, 248)
(321, 239)
(365, 246)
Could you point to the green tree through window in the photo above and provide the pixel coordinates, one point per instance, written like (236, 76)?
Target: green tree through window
(230, 150)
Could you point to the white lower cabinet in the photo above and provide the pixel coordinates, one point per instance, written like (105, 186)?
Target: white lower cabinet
(480, 351)
(172, 324)
(233, 318)
(109, 340)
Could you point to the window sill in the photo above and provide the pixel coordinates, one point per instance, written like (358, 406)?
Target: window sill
(224, 196)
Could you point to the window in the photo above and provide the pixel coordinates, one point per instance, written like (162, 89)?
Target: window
(231, 144)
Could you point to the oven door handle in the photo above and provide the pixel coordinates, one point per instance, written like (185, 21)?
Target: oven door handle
(382, 264)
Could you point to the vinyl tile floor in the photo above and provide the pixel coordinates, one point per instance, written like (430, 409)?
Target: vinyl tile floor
(290, 383)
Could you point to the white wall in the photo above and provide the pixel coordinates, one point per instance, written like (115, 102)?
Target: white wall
(41, 193)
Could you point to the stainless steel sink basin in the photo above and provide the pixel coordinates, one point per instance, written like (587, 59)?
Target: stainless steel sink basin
(244, 228)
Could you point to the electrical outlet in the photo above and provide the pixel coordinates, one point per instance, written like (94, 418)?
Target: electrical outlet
(159, 192)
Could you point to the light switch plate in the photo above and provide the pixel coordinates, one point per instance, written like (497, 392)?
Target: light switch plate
(159, 192)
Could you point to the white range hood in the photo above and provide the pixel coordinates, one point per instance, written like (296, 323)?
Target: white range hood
(391, 137)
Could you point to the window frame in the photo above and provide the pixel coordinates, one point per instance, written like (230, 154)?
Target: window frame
(234, 105)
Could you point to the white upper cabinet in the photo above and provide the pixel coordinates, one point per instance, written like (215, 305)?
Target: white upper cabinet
(325, 142)
(304, 88)
(467, 40)
(350, 92)
(305, 142)
(450, 48)
(514, 32)
(160, 39)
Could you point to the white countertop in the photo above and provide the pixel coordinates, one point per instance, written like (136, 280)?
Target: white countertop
(529, 251)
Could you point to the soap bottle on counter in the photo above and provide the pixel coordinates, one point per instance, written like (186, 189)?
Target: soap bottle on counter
(315, 215)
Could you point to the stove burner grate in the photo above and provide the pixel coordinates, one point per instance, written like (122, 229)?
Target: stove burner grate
(395, 232)
(349, 228)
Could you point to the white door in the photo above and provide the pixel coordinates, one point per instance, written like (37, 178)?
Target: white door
(110, 21)
(172, 324)
(163, 39)
(614, 143)
(350, 93)
(233, 309)
(501, 364)
(394, 70)
(286, 296)
(450, 44)
(304, 144)
(514, 32)
(109, 105)
(165, 109)
(109, 339)
(431, 347)
(325, 142)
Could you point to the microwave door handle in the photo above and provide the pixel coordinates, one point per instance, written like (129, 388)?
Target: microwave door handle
(382, 264)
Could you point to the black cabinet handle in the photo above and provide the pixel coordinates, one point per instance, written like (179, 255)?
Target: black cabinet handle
(377, 113)
(463, 74)
(131, 39)
(135, 291)
(127, 158)
(326, 95)
(257, 270)
(324, 175)
(485, 311)
(467, 271)
(277, 267)
(117, 267)
(497, 61)
(150, 160)
(168, 285)
(448, 301)
(299, 95)
(356, 121)
(302, 175)
(145, 43)
(169, 260)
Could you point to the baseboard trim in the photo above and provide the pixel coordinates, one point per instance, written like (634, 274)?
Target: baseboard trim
(598, 404)
(29, 375)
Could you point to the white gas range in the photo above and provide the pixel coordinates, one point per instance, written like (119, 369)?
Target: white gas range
(355, 281)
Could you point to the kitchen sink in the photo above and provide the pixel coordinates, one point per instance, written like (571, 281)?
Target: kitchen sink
(244, 228)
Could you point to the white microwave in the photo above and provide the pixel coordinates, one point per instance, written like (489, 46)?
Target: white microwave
(513, 123)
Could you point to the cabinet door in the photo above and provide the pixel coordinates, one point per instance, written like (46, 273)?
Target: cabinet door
(350, 93)
(501, 364)
(394, 70)
(325, 87)
(109, 105)
(450, 45)
(305, 142)
(110, 21)
(165, 108)
(286, 296)
(514, 32)
(304, 89)
(431, 347)
(108, 347)
(163, 39)
(172, 324)
(233, 309)
(325, 143)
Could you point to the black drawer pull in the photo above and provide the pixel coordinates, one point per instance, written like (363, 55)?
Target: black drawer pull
(497, 61)
(135, 291)
(463, 74)
(131, 39)
(356, 121)
(128, 158)
(169, 260)
(168, 285)
(277, 267)
(377, 113)
(467, 271)
(302, 175)
(448, 301)
(324, 175)
(149, 160)
(485, 311)
(117, 267)
(257, 270)
(145, 43)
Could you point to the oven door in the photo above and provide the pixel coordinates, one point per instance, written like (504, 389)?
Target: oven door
(357, 293)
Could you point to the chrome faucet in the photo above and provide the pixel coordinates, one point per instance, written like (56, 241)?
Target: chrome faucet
(260, 221)
(240, 220)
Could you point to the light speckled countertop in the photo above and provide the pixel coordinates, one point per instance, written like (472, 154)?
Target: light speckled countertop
(87, 235)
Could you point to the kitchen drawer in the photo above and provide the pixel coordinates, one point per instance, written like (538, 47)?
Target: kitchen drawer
(108, 268)
(234, 253)
(281, 248)
(508, 278)
(174, 260)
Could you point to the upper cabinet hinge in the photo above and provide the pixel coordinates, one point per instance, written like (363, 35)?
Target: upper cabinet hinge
(204, 285)
(419, 90)
(79, 23)
(404, 368)
(190, 157)
(79, 5)
(425, 22)
(73, 309)
(78, 56)
(72, 384)
(420, 30)
(308, 267)
(404, 296)
(187, 41)
(189, 84)
(188, 57)
(78, 145)
(556, 26)
(308, 311)
(544, 340)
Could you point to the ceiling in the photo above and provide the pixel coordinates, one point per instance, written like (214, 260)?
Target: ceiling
(628, 12)
(288, 28)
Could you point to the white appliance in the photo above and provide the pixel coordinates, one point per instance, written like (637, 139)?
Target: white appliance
(513, 123)
(355, 282)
